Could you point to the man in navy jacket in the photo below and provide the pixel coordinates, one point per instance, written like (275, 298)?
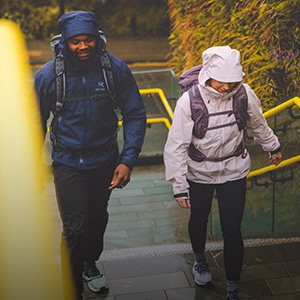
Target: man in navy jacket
(86, 161)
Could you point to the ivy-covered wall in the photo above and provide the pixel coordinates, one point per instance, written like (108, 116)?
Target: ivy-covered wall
(266, 32)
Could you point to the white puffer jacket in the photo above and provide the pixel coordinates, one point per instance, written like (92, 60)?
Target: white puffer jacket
(216, 143)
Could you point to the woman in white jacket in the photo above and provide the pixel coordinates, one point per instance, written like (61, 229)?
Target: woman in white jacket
(221, 166)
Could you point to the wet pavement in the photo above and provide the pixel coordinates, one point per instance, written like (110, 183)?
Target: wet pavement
(147, 253)
(269, 272)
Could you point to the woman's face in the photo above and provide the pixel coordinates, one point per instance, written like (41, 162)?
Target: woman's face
(222, 87)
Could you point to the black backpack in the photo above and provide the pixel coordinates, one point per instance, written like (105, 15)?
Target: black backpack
(60, 76)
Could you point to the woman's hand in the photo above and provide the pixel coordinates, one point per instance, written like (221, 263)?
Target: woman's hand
(275, 159)
(184, 203)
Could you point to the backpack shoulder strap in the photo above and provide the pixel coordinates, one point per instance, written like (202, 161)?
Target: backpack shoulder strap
(108, 76)
(199, 112)
(60, 81)
(59, 69)
(240, 106)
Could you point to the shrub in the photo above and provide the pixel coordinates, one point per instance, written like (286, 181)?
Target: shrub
(255, 28)
(38, 18)
(35, 22)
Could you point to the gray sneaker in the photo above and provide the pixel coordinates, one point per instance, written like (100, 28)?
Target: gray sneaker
(233, 295)
(96, 281)
(202, 273)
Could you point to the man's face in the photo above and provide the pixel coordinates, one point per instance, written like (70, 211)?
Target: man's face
(82, 46)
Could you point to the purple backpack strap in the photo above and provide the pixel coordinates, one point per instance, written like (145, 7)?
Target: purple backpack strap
(240, 106)
(198, 156)
(199, 112)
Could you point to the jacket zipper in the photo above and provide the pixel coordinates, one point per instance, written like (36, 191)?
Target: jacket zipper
(83, 79)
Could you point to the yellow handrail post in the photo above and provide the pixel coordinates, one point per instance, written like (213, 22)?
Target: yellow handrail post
(165, 104)
(162, 97)
(28, 268)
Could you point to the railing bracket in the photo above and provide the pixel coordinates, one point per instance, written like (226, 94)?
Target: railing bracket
(292, 114)
(282, 179)
(282, 128)
(265, 184)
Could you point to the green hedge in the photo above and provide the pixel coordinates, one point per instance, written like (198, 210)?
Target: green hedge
(35, 22)
(38, 18)
(143, 18)
(266, 32)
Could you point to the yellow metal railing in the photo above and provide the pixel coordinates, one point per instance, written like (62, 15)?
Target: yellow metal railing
(276, 110)
(155, 120)
(272, 112)
(162, 97)
(283, 164)
(165, 104)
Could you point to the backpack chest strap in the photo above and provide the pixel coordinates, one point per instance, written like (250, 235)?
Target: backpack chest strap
(200, 114)
(99, 96)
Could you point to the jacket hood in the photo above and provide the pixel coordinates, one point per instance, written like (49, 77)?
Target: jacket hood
(78, 22)
(222, 64)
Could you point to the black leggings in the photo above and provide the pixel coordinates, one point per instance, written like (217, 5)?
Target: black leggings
(231, 200)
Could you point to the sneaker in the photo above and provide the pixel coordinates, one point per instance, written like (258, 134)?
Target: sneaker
(96, 281)
(202, 273)
(233, 295)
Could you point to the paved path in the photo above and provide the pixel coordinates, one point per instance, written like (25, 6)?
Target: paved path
(144, 213)
(148, 256)
(270, 272)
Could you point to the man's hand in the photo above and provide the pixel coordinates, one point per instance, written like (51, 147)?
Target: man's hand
(184, 203)
(275, 159)
(121, 177)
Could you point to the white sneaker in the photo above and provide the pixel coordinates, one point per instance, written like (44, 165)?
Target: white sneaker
(96, 281)
(202, 273)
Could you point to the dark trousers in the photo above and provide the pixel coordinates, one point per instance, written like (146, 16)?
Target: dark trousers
(231, 200)
(82, 197)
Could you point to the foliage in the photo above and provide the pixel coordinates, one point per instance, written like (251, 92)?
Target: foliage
(256, 28)
(142, 18)
(38, 18)
(35, 22)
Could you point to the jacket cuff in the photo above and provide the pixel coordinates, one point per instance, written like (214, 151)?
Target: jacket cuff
(275, 151)
(126, 163)
(181, 195)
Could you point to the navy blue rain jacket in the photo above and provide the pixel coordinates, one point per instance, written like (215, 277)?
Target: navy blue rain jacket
(85, 129)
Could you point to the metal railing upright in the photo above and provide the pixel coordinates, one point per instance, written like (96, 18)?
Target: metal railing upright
(165, 103)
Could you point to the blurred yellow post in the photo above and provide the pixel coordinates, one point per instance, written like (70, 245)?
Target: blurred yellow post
(29, 269)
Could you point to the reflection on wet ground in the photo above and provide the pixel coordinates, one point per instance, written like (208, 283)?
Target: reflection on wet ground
(144, 213)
